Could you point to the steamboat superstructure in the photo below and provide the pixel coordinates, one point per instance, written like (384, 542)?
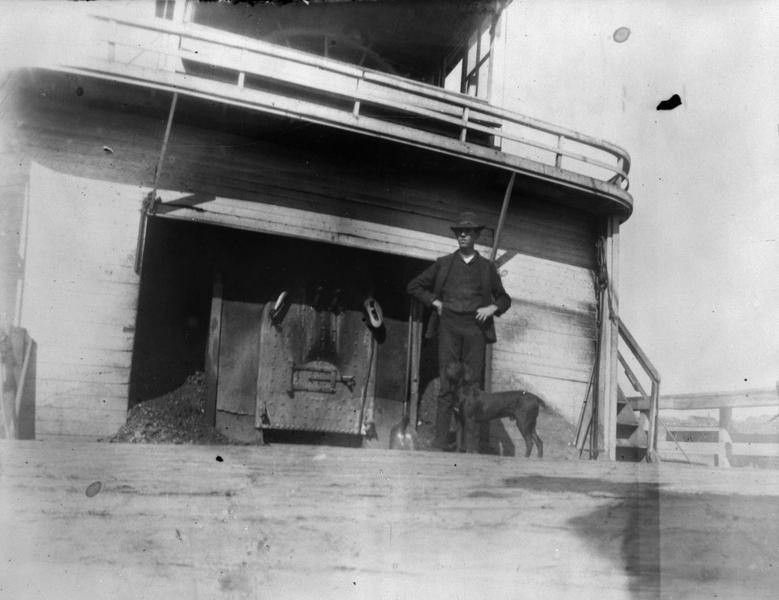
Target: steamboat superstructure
(202, 186)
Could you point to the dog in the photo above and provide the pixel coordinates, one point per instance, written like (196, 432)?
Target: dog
(473, 405)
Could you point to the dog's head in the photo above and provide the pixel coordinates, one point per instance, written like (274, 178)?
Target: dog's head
(462, 382)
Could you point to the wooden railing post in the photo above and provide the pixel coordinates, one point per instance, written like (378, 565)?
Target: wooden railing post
(653, 419)
(725, 417)
(112, 25)
(558, 159)
(464, 130)
(356, 108)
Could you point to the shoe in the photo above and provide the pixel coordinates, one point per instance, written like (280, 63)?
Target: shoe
(444, 447)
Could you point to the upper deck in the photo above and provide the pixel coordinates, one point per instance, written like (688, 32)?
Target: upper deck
(231, 69)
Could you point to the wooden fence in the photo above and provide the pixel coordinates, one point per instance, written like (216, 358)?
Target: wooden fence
(714, 442)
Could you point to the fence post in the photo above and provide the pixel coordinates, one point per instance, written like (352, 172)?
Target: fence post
(725, 418)
(654, 400)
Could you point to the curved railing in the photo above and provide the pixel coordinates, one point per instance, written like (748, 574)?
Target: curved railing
(214, 64)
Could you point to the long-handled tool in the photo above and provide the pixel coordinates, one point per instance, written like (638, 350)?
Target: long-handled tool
(368, 427)
(403, 436)
(375, 318)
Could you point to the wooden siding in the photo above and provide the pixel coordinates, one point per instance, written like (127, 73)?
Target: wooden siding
(309, 169)
(80, 299)
(546, 342)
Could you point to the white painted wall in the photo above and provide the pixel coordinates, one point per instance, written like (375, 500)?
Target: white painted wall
(546, 340)
(80, 298)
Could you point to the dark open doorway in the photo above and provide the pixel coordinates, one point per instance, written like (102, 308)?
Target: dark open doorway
(182, 259)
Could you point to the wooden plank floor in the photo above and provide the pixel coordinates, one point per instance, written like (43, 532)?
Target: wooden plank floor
(320, 522)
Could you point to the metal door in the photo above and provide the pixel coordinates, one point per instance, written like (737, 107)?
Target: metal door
(316, 370)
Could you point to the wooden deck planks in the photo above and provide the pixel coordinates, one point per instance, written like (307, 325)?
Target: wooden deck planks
(319, 522)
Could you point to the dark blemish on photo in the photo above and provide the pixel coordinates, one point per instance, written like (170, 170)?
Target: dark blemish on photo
(621, 34)
(219, 458)
(671, 103)
(93, 489)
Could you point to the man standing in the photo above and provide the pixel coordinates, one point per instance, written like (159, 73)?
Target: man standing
(465, 291)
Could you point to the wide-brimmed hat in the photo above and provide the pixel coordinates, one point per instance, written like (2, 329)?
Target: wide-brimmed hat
(467, 220)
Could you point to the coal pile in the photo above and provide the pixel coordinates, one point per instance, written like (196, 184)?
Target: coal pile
(175, 418)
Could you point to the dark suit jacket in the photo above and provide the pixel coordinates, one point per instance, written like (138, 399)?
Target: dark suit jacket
(427, 286)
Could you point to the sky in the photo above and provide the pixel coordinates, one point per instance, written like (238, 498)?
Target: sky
(699, 257)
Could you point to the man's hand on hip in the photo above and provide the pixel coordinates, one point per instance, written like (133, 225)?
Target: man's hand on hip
(485, 312)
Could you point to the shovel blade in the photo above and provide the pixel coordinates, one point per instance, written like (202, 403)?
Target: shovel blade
(401, 438)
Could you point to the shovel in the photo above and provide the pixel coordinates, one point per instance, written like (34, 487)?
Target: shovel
(403, 436)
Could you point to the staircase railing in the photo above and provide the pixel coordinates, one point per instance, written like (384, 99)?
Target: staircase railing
(650, 399)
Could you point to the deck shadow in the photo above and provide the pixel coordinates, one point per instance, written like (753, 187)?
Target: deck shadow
(691, 543)
(626, 530)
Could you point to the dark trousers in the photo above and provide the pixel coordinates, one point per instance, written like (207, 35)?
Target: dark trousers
(460, 339)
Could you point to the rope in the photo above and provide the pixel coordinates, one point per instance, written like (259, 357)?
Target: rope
(673, 437)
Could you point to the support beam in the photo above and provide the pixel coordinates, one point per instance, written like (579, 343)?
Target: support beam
(150, 203)
(491, 67)
(495, 241)
(166, 137)
(609, 336)
(502, 218)
(179, 11)
(610, 404)
(601, 378)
